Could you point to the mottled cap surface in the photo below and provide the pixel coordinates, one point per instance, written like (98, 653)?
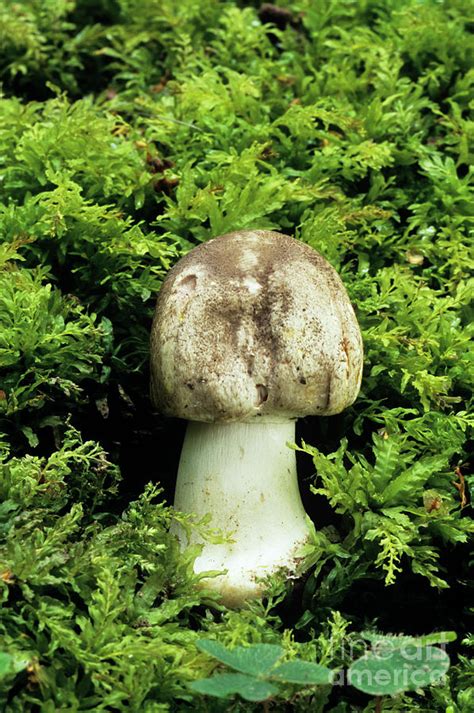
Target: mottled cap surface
(251, 324)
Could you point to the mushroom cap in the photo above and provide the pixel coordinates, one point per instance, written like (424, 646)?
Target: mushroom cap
(254, 324)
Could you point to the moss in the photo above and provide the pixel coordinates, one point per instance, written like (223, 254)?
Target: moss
(131, 132)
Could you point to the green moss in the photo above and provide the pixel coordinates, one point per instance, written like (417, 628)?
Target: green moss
(130, 132)
(48, 344)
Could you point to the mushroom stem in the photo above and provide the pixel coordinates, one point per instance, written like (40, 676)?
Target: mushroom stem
(244, 474)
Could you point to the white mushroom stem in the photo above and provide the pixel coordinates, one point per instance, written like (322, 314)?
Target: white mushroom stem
(244, 474)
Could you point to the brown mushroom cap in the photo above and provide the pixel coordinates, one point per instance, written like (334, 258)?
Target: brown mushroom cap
(254, 323)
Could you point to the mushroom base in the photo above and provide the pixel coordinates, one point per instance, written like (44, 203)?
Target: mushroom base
(244, 474)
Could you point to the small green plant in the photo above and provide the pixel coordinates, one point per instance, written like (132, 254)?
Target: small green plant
(392, 665)
(258, 672)
(395, 664)
(403, 503)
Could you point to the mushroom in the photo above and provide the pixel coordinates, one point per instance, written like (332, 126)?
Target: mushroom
(252, 330)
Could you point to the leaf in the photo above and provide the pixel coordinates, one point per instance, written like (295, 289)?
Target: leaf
(6, 664)
(413, 479)
(397, 640)
(256, 660)
(30, 436)
(437, 637)
(386, 453)
(303, 673)
(395, 670)
(225, 685)
(11, 663)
